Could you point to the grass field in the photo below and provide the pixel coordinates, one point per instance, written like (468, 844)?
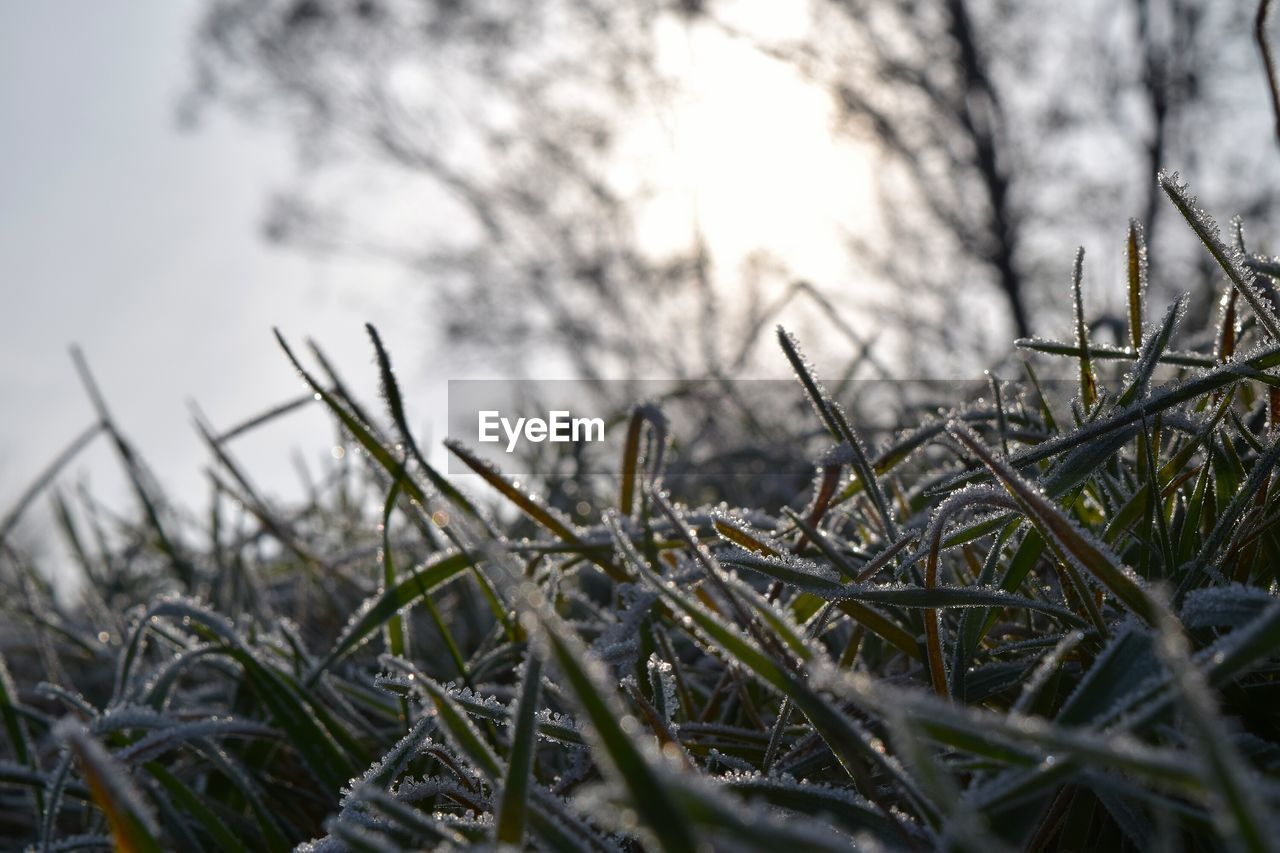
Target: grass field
(1019, 625)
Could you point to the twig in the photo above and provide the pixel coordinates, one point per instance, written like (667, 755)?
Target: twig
(1268, 61)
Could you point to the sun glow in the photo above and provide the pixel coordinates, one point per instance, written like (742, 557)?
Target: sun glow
(753, 158)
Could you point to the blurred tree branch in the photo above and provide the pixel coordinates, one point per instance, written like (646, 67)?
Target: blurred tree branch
(496, 130)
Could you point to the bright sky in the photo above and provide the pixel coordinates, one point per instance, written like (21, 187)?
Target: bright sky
(140, 242)
(754, 154)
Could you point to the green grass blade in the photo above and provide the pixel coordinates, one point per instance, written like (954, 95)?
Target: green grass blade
(513, 802)
(381, 608)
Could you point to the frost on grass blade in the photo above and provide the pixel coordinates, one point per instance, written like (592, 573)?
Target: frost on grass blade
(1229, 259)
(838, 424)
(1088, 384)
(1075, 547)
(1231, 606)
(1136, 256)
(796, 571)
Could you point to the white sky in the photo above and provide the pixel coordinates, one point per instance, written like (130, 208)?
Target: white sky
(140, 243)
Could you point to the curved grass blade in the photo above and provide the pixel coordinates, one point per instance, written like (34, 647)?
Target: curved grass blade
(361, 432)
(378, 610)
(542, 515)
(834, 418)
(133, 826)
(631, 453)
(465, 736)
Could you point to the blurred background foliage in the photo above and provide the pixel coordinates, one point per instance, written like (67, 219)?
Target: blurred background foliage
(518, 155)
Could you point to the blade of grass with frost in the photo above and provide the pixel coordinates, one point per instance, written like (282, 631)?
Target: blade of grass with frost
(156, 743)
(513, 802)
(794, 571)
(396, 636)
(541, 515)
(359, 430)
(133, 826)
(1207, 230)
(957, 502)
(1211, 380)
(464, 736)
(557, 729)
(631, 451)
(391, 391)
(380, 608)
(1246, 819)
(1150, 352)
(412, 821)
(815, 801)
(652, 795)
(739, 533)
(1136, 255)
(1074, 547)
(831, 414)
(395, 405)
(1088, 384)
(850, 745)
(1102, 352)
(902, 595)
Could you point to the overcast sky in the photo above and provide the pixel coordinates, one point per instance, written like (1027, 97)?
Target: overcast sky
(140, 242)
